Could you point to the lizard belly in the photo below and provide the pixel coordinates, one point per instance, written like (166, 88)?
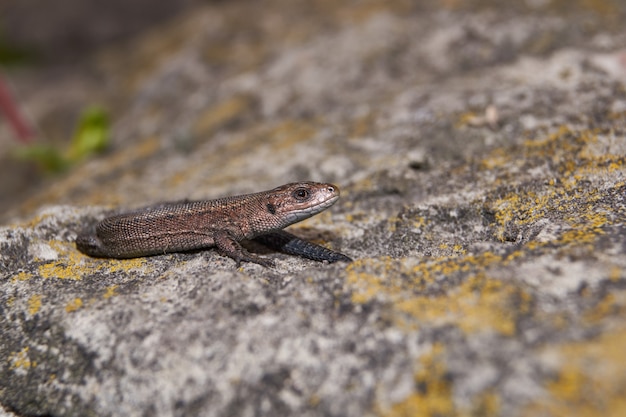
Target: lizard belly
(154, 244)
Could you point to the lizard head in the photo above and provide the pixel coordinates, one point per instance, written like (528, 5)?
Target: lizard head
(291, 203)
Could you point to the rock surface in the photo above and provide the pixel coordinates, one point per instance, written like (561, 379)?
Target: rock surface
(481, 156)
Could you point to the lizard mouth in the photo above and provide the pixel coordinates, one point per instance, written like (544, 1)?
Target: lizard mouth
(312, 210)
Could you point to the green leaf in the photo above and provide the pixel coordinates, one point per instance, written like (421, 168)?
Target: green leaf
(47, 157)
(92, 134)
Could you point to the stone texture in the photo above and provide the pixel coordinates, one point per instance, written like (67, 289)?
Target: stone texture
(480, 151)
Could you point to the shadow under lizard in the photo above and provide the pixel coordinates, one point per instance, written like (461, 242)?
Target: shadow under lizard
(220, 223)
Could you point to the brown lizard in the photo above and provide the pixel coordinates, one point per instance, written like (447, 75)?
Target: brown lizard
(221, 223)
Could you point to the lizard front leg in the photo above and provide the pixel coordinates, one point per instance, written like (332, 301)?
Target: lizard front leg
(230, 247)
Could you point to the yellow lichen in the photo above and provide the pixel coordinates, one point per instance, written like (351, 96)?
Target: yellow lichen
(73, 305)
(72, 264)
(459, 249)
(21, 276)
(21, 360)
(615, 274)
(110, 291)
(486, 404)
(590, 380)
(612, 304)
(392, 223)
(366, 285)
(571, 153)
(362, 126)
(67, 266)
(433, 396)
(115, 265)
(419, 222)
(579, 206)
(287, 134)
(220, 114)
(479, 303)
(34, 304)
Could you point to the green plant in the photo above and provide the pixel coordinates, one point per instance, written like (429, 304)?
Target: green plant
(91, 136)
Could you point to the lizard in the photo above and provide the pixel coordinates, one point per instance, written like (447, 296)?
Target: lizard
(222, 223)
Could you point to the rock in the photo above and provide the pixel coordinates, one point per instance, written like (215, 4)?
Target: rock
(480, 155)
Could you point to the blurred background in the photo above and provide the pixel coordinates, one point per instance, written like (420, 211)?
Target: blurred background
(82, 77)
(51, 75)
(64, 32)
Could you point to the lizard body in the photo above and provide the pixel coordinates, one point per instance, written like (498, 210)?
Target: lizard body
(221, 223)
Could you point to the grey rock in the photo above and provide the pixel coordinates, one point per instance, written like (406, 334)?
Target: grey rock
(481, 160)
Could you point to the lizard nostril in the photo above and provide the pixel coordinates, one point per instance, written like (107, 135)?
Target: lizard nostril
(331, 189)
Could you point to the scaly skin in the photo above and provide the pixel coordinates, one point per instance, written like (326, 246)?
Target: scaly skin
(221, 223)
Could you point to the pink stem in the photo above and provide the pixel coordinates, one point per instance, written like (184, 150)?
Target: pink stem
(9, 108)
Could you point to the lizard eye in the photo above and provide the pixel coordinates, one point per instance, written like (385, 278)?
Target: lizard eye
(301, 194)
